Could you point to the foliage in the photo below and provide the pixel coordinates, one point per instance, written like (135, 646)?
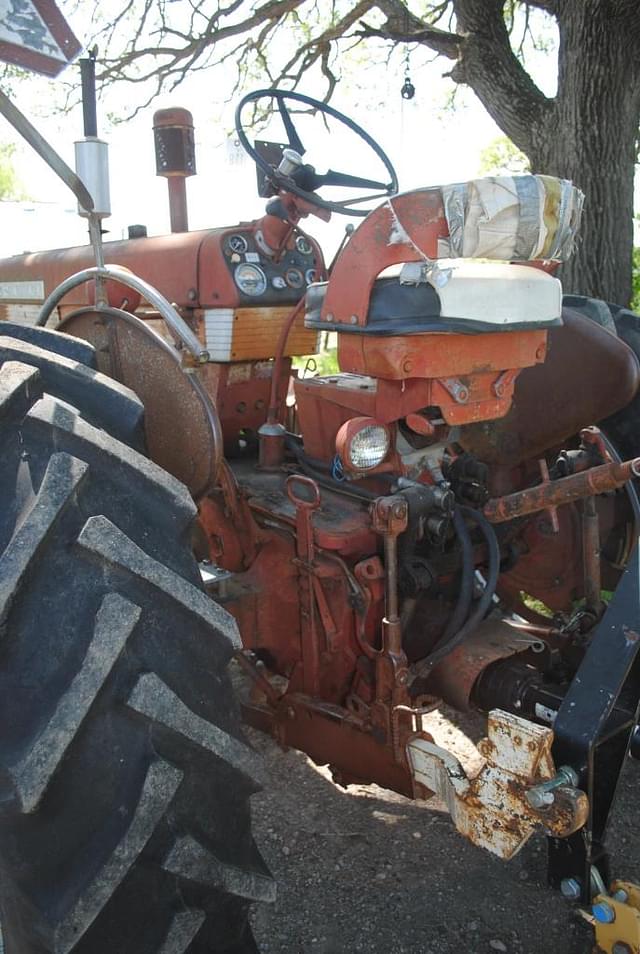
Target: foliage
(501, 157)
(10, 186)
(635, 281)
(324, 362)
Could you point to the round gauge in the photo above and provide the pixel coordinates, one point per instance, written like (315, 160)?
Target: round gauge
(303, 245)
(310, 276)
(250, 279)
(238, 243)
(278, 281)
(294, 278)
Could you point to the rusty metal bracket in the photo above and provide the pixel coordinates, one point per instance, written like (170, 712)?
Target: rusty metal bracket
(498, 809)
(304, 494)
(555, 493)
(389, 517)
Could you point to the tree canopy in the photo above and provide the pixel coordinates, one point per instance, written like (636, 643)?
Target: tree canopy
(586, 132)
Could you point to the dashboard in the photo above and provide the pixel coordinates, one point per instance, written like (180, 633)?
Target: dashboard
(262, 279)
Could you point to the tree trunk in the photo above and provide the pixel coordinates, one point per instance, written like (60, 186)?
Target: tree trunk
(587, 133)
(591, 138)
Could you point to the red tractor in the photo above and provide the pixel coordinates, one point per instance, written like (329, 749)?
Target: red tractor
(440, 521)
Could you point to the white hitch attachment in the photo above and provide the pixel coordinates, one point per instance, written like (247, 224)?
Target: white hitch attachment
(516, 792)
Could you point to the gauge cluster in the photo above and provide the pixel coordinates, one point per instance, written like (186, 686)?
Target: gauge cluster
(260, 279)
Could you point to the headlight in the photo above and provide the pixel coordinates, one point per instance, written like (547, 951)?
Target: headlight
(362, 444)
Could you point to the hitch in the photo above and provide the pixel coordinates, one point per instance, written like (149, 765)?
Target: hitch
(517, 791)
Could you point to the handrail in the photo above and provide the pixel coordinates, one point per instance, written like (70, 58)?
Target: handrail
(148, 292)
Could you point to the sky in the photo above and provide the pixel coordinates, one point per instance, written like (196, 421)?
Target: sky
(428, 142)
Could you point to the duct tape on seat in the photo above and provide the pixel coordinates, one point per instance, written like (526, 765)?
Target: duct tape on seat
(511, 218)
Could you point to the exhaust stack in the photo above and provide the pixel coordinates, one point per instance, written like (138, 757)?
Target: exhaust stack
(175, 159)
(92, 154)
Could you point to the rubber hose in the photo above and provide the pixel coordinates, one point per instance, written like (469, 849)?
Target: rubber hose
(465, 595)
(483, 603)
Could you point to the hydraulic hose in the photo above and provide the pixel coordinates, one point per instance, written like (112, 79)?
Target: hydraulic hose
(465, 595)
(424, 667)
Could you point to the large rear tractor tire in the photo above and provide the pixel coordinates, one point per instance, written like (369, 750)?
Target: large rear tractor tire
(124, 779)
(623, 427)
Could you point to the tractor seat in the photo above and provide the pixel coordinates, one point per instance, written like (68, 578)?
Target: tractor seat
(478, 297)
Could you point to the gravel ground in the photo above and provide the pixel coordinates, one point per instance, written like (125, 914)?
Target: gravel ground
(364, 869)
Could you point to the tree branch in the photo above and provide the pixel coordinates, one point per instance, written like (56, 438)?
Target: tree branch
(483, 58)
(489, 66)
(120, 67)
(446, 44)
(161, 49)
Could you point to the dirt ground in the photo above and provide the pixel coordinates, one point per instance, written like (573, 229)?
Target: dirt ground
(367, 870)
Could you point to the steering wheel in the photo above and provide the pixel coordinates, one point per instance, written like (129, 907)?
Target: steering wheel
(301, 179)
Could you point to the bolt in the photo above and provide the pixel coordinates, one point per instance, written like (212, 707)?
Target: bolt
(541, 796)
(620, 895)
(603, 912)
(539, 799)
(570, 889)
(353, 319)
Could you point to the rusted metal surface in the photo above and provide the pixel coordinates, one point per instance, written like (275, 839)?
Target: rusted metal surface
(326, 403)
(550, 566)
(591, 556)
(453, 679)
(555, 493)
(369, 251)
(181, 424)
(304, 493)
(194, 353)
(389, 517)
(396, 357)
(588, 374)
(356, 751)
(191, 269)
(492, 809)
(240, 392)
(340, 524)
(175, 159)
(271, 438)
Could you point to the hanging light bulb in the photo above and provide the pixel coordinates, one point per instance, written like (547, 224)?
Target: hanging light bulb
(408, 90)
